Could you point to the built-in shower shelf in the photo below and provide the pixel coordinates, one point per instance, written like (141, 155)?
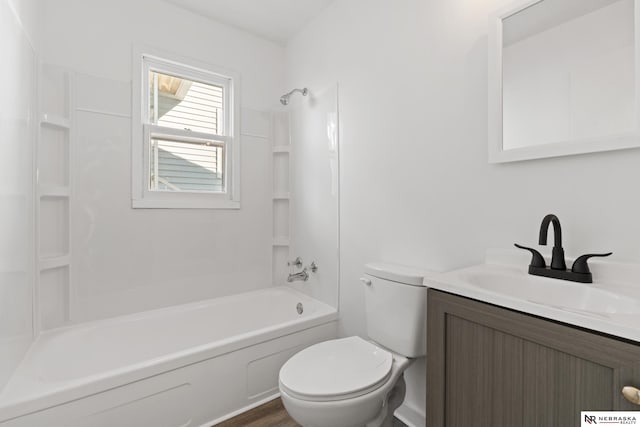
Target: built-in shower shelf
(54, 191)
(281, 149)
(50, 263)
(53, 295)
(54, 120)
(281, 196)
(281, 241)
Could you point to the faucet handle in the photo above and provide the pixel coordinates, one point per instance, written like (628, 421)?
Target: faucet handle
(295, 263)
(313, 267)
(580, 264)
(536, 257)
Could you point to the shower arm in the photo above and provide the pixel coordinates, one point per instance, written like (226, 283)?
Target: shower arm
(284, 99)
(303, 91)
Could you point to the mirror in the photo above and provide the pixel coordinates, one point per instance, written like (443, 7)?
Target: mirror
(563, 78)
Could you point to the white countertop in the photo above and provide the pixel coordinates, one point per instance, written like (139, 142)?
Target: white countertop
(610, 305)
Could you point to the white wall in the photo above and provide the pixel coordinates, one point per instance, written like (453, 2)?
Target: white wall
(95, 37)
(416, 187)
(17, 141)
(26, 13)
(126, 260)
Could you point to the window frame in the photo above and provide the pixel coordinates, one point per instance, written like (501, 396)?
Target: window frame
(146, 59)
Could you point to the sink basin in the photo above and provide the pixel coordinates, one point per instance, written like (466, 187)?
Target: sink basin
(514, 282)
(610, 305)
(552, 292)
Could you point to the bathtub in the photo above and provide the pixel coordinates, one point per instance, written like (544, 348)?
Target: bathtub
(189, 365)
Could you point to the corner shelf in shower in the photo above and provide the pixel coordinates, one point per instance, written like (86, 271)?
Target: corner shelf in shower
(281, 241)
(54, 191)
(50, 263)
(52, 208)
(281, 149)
(55, 120)
(281, 196)
(281, 153)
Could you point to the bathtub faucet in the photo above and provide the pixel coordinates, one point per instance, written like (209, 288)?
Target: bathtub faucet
(303, 275)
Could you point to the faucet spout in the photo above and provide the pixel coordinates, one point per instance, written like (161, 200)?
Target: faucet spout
(557, 254)
(303, 276)
(557, 230)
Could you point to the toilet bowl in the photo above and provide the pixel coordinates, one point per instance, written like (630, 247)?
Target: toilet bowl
(347, 382)
(353, 382)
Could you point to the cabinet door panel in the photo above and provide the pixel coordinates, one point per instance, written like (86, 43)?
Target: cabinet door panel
(560, 385)
(508, 380)
(489, 366)
(480, 367)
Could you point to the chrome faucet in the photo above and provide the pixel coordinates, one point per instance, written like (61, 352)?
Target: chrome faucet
(303, 276)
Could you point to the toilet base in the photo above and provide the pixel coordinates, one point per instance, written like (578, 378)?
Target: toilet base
(348, 413)
(395, 399)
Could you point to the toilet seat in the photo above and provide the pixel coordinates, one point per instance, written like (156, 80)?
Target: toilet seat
(336, 370)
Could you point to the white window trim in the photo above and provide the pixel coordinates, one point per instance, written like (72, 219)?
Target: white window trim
(141, 196)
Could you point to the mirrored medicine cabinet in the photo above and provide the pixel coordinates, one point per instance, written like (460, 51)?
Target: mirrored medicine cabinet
(563, 78)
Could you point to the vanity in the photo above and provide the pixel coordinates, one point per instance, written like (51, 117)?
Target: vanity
(505, 348)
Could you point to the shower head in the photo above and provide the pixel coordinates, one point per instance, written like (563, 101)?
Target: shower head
(284, 99)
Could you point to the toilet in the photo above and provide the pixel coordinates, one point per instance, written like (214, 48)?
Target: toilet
(354, 382)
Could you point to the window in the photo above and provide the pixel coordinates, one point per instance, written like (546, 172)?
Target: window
(185, 154)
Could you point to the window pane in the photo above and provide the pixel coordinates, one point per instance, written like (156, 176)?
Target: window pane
(186, 166)
(185, 104)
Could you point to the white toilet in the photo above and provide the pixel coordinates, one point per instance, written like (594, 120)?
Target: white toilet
(352, 382)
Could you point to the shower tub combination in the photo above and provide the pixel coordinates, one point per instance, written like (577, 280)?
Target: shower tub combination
(190, 365)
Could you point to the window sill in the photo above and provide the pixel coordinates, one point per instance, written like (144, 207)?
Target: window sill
(184, 204)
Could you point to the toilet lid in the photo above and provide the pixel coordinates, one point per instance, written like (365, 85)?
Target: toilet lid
(337, 368)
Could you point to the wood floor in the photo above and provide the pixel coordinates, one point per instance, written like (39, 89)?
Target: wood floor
(271, 414)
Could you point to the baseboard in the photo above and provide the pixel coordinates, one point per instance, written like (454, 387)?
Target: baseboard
(410, 416)
(242, 410)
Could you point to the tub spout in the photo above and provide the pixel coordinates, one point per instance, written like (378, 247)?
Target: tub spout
(303, 276)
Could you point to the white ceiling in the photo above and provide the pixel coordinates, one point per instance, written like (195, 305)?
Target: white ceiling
(276, 20)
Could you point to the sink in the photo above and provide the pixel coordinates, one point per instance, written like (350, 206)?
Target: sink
(514, 282)
(610, 305)
(552, 292)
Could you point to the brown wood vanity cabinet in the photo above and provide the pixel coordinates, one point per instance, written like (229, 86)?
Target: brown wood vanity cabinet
(492, 367)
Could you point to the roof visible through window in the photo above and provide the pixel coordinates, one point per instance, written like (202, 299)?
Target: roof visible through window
(185, 104)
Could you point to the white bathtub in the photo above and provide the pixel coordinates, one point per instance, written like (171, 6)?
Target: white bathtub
(189, 365)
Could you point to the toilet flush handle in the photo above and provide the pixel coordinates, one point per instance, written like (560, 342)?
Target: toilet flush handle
(365, 281)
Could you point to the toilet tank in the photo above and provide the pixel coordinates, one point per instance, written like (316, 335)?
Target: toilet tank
(396, 308)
